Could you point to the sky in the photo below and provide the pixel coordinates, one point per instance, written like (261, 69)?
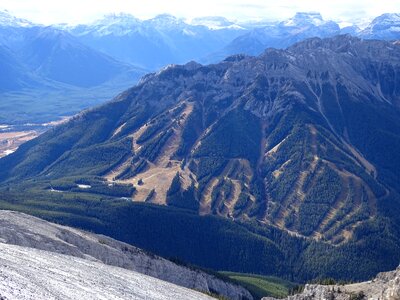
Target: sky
(84, 11)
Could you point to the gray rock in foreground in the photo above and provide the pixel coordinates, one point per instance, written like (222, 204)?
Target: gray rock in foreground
(386, 286)
(24, 230)
(27, 273)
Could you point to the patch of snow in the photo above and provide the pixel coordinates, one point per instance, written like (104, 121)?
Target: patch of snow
(8, 152)
(188, 32)
(215, 23)
(304, 18)
(84, 186)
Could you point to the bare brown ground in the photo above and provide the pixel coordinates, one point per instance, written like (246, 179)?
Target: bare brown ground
(160, 174)
(205, 202)
(10, 141)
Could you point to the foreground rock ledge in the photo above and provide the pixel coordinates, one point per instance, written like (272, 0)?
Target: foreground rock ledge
(386, 286)
(31, 232)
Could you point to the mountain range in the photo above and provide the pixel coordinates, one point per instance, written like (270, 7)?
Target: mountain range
(55, 55)
(156, 42)
(299, 145)
(93, 62)
(211, 39)
(48, 72)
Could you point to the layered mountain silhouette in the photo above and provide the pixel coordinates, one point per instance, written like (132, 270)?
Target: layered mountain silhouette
(305, 139)
(81, 66)
(50, 73)
(55, 55)
(156, 42)
(302, 26)
(58, 56)
(166, 39)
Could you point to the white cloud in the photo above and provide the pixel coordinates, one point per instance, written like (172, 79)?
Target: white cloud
(74, 11)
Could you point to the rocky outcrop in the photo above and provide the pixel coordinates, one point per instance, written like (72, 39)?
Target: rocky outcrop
(27, 273)
(386, 286)
(23, 230)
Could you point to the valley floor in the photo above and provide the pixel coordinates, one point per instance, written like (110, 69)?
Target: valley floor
(11, 136)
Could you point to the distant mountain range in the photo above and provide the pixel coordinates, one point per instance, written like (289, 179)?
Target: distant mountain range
(65, 64)
(165, 39)
(55, 55)
(157, 42)
(302, 26)
(47, 72)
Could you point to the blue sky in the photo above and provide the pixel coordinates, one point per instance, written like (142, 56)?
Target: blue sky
(82, 11)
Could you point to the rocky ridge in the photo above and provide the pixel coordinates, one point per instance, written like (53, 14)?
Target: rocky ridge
(27, 273)
(386, 286)
(30, 232)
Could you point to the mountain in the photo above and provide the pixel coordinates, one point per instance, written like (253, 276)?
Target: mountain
(8, 20)
(384, 27)
(47, 72)
(54, 55)
(280, 35)
(153, 43)
(214, 22)
(295, 151)
(305, 139)
(64, 64)
(385, 286)
(33, 233)
(58, 56)
(14, 75)
(303, 26)
(353, 30)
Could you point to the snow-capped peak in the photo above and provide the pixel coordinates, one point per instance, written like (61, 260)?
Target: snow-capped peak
(305, 18)
(214, 22)
(166, 21)
(6, 19)
(388, 18)
(386, 25)
(116, 24)
(119, 18)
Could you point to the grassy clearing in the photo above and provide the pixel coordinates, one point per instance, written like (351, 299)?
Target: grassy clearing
(262, 286)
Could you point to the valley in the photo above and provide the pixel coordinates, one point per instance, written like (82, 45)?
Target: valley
(10, 141)
(13, 136)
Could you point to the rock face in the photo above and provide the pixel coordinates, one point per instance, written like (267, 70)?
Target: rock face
(27, 273)
(27, 231)
(386, 286)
